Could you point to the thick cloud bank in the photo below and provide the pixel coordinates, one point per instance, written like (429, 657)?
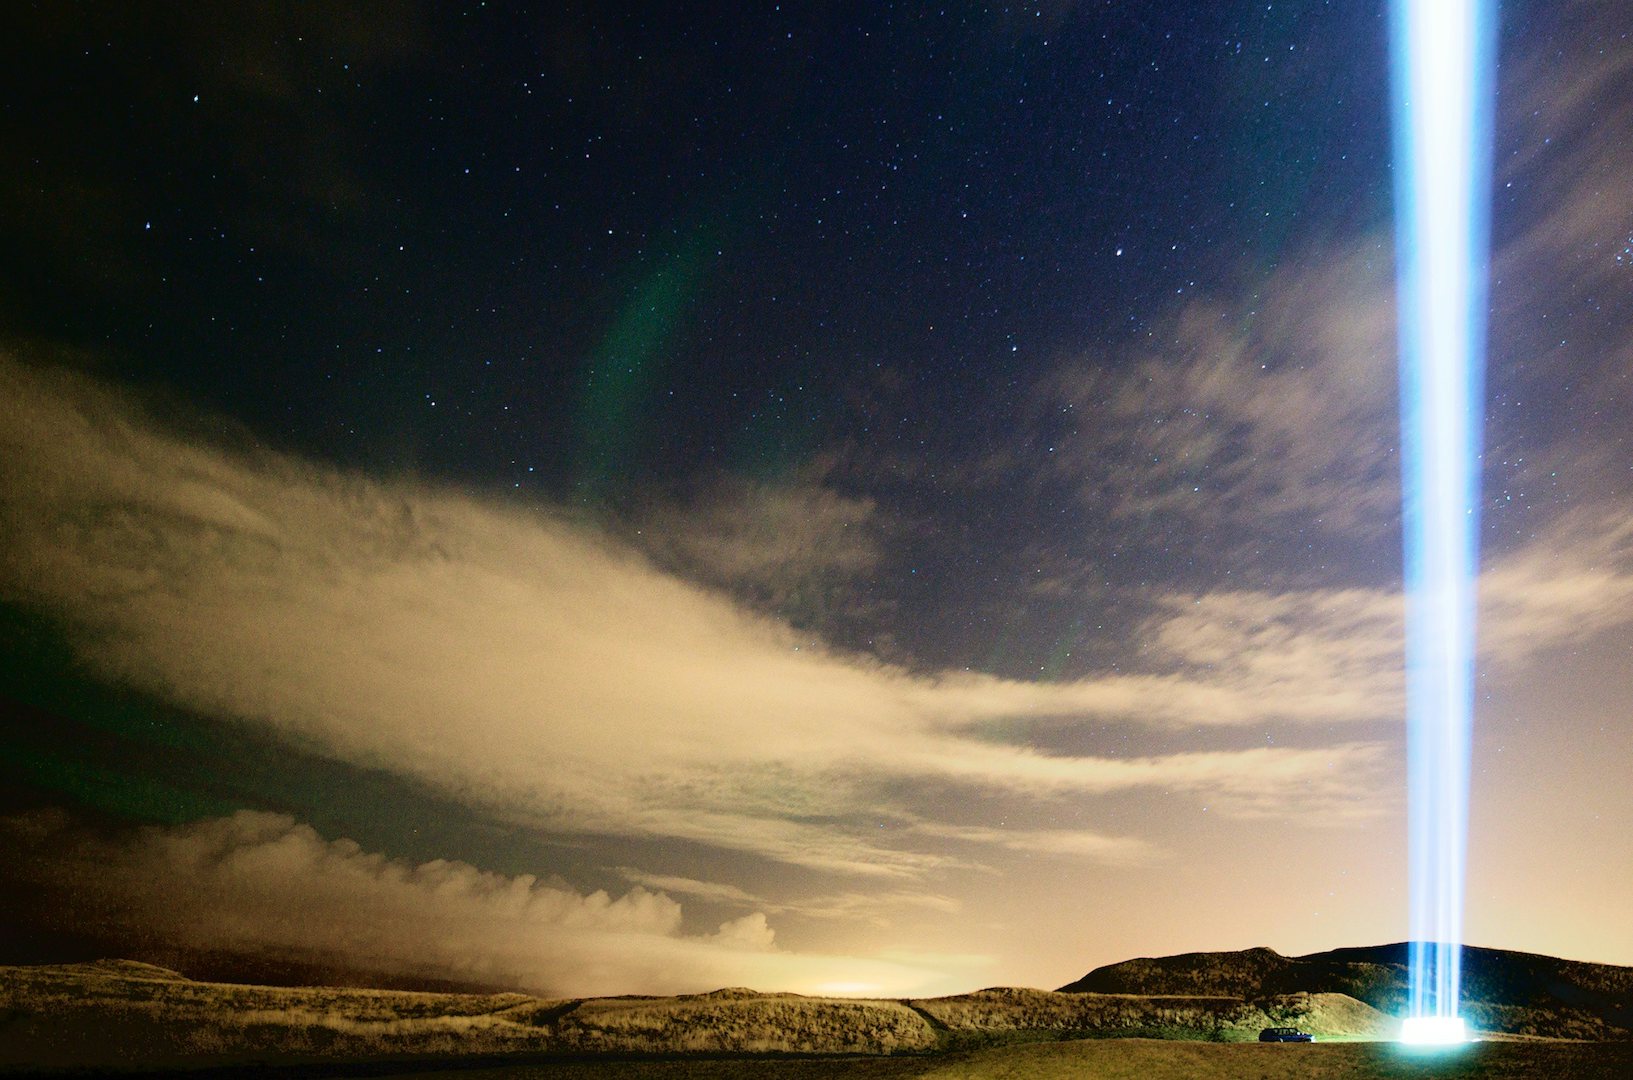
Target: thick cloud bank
(531, 665)
(258, 883)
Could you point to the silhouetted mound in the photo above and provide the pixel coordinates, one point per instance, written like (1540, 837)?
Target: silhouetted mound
(1009, 1014)
(1514, 992)
(758, 1024)
(1251, 973)
(729, 993)
(127, 969)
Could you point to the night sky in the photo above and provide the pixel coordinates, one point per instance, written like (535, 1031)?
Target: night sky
(856, 498)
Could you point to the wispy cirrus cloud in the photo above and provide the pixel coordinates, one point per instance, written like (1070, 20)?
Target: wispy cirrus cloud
(1272, 409)
(1077, 843)
(769, 538)
(1573, 582)
(793, 548)
(867, 907)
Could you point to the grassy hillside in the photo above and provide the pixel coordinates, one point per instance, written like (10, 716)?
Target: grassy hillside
(124, 1014)
(117, 1013)
(1518, 993)
(1008, 1014)
(732, 1023)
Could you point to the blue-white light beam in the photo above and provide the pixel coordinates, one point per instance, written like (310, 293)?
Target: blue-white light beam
(1441, 52)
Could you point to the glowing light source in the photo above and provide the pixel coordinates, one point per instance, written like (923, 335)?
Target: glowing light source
(1434, 1031)
(1441, 53)
(845, 988)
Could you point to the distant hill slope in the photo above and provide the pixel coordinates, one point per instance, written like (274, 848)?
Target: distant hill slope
(1521, 993)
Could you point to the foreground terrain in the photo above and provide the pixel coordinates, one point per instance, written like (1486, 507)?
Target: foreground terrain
(1189, 1016)
(1129, 1059)
(119, 1014)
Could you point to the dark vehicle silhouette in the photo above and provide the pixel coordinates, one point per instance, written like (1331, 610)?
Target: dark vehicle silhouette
(1285, 1034)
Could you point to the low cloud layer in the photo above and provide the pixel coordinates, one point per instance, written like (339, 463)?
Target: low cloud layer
(263, 884)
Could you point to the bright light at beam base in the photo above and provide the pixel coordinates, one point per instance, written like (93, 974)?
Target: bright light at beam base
(1434, 1031)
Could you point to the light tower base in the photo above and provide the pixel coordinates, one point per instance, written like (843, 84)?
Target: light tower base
(1434, 1031)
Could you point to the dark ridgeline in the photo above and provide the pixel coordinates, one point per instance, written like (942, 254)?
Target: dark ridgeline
(1517, 992)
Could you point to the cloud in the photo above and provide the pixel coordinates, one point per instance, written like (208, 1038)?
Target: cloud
(867, 907)
(1335, 652)
(872, 907)
(703, 890)
(1273, 410)
(793, 549)
(1562, 185)
(1304, 652)
(1573, 582)
(540, 670)
(764, 534)
(1561, 307)
(1322, 786)
(1115, 850)
(525, 663)
(257, 883)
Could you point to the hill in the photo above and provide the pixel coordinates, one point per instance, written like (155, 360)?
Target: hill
(1514, 992)
(119, 1014)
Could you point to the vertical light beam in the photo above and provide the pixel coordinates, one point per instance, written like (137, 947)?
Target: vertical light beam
(1441, 54)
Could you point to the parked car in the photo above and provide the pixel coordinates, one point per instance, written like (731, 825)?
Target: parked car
(1285, 1034)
